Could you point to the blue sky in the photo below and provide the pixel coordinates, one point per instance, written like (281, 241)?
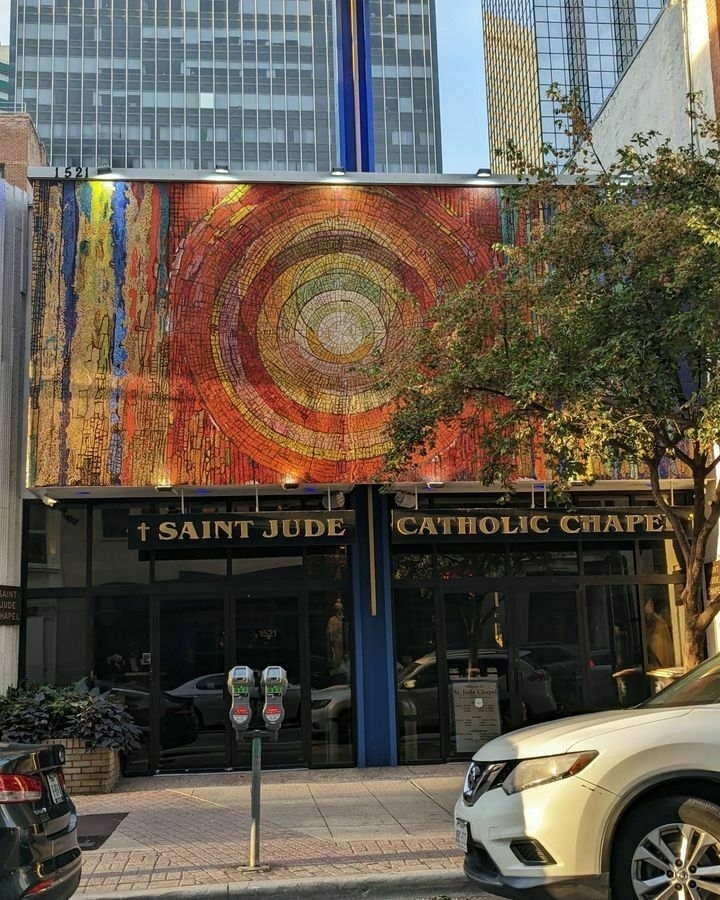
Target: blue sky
(462, 82)
(463, 110)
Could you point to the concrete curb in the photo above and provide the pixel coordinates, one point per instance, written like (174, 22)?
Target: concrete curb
(416, 885)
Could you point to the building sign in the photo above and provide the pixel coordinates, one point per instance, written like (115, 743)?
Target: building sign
(9, 605)
(476, 709)
(241, 530)
(713, 579)
(473, 524)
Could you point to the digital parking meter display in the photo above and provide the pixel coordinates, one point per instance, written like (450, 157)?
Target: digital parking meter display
(274, 684)
(240, 680)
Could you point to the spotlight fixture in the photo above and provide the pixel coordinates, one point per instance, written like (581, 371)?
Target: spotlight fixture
(435, 484)
(338, 171)
(291, 485)
(165, 489)
(334, 501)
(222, 170)
(49, 501)
(483, 173)
(104, 170)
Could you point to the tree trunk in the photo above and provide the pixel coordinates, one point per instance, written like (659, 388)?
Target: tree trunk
(694, 638)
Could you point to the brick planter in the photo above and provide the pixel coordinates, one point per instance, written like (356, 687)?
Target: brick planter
(89, 771)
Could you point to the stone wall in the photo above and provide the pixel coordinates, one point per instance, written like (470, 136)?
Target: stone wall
(89, 771)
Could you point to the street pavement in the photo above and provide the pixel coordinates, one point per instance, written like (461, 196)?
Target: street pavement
(380, 833)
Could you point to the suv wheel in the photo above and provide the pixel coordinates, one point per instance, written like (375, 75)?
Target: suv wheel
(668, 847)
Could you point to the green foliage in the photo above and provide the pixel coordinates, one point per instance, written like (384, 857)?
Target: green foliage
(597, 339)
(595, 343)
(37, 713)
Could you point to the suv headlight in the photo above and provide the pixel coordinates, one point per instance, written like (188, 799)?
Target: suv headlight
(480, 778)
(533, 772)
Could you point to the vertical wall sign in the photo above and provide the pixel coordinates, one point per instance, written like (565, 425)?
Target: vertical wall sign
(10, 600)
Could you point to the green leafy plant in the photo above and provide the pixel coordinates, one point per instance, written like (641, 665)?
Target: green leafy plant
(37, 713)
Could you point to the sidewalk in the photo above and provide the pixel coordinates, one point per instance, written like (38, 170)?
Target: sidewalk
(381, 833)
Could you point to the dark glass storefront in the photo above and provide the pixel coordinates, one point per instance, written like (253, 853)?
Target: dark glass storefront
(160, 629)
(531, 626)
(444, 641)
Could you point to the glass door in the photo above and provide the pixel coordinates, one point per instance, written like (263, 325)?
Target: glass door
(267, 631)
(190, 708)
(551, 671)
(122, 664)
(486, 693)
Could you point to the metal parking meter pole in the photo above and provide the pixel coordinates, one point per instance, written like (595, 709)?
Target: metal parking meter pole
(255, 803)
(257, 736)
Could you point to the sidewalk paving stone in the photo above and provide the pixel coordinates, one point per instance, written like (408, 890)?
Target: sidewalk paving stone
(328, 831)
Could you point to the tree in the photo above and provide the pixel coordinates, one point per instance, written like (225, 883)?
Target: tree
(595, 340)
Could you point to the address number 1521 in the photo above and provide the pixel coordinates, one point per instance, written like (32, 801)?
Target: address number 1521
(71, 172)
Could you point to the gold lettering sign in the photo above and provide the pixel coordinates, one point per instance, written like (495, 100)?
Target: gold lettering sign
(235, 530)
(9, 605)
(487, 524)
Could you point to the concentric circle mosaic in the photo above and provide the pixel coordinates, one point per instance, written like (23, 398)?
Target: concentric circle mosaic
(284, 299)
(202, 333)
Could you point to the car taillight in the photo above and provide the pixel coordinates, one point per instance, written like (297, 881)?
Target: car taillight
(539, 675)
(61, 776)
(20, 788)
(39, 887)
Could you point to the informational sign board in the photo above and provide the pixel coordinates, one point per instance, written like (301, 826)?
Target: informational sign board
(9, 605)
(476, 709)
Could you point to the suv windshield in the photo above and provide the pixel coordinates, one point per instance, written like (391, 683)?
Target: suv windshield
(700, 686)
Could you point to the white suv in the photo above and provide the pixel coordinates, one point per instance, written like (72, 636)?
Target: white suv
(623, 803)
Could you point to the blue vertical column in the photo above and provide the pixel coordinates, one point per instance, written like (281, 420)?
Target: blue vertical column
(355, 108)
(374, 689)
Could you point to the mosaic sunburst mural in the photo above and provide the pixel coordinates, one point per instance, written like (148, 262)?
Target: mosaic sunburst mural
(225, 334)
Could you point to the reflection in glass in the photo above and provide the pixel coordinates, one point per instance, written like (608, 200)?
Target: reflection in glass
(331, 697)
(418, 715)
(608, 558)
(409, 564)
(479, 666)
(663, 626)
(121, 664)
(267, 633)
(190, 566)
(461, 562)
(616, 677)
(326, 562)
(550, 559)
(57, 640)
(192, 647)
(112, 562)
(57, 546)
(659, 558)
(545, 623)
(257, 570)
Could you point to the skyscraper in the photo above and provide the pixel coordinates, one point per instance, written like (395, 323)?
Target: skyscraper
(252, 84)
(583, 46)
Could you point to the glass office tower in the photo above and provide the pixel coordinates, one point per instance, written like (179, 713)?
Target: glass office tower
(252, 84)
(582, 45)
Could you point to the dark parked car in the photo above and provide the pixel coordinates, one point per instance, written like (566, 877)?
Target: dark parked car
(39, 853)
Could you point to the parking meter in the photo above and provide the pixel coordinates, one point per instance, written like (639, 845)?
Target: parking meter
(240, 680)
(274, 684)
